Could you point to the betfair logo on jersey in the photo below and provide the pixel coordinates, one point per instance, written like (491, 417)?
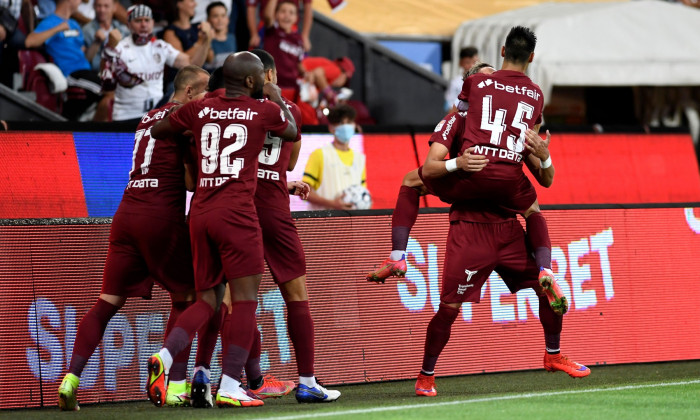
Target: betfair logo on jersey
(228, 114)
(518, 90)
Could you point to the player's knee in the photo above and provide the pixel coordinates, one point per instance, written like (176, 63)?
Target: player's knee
(114, 300)
(294, 290)
(534, 208)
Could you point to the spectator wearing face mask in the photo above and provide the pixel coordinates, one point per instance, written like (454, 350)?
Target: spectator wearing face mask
(334, 167)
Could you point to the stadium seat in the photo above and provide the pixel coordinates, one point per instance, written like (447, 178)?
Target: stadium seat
(34, 80)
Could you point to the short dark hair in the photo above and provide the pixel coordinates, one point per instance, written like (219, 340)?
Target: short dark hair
(216, 80)
(186, 76)
(337, 114)
(468, 52)
(520, 43)
(213, 5)
(266, 58)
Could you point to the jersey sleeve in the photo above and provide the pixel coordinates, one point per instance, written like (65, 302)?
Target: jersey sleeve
(170, 53)
(314, 169)
(447, 129)
(181, 119)
(275, 121)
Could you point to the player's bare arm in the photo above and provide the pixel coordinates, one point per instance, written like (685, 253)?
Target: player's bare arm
(294, 157)
(539, 154)
(272, 91)
(436, 166)
(163, 129)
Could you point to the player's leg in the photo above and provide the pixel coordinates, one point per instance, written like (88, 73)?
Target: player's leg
(241, 335)
(518, 270)
(469, 259)
(90, 332)
(402, 220)
(178, 393)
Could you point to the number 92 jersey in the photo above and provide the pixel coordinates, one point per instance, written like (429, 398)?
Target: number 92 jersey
(274, 162)
(502, 107)
(229, 133)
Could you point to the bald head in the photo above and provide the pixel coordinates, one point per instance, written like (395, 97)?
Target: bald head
(243, 75)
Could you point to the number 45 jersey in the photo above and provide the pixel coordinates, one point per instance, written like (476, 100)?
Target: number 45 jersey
(229, 134)
(157, 177)
(274, 161)
(502, 107)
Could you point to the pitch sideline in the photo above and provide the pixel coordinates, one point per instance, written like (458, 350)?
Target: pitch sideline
(477, 400)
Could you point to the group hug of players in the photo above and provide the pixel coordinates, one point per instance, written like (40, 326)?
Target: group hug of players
(216, 134)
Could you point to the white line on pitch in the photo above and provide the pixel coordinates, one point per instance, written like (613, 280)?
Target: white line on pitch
(476, 400)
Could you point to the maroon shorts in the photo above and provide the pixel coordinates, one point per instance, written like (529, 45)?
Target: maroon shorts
(516, 195)
(283, 251)
(225, 240)
(144, 249)
(474, 250)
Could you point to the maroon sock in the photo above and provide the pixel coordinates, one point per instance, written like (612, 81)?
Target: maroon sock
(252, 365)
(90, 332)
(206, 339)
(551, 324)
(178, 371)
(241, 334)
(187, 324)
(300, 327)
(404, 217)
(438, 335)
(538, 235)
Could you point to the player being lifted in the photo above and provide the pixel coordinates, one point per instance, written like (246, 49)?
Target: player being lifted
(229, 134)
(148, 240)
(491, 136)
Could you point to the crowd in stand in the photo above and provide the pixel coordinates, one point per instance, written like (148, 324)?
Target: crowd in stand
(118, 58)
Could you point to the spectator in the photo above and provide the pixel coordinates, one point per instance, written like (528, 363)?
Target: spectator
(10, 36)
(194, 40)
(257, 30)
(200, 10)
(334, 167)
(63, 40)
(223, 42)
(285, 45)
(86, 12)
(468, 56)
(96, 32)
(328, 74)
(135, 65)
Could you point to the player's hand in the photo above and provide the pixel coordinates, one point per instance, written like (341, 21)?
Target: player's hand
(113, 38)
(299, 188)
(469, 162)
(272, 91)
(254, 41)
(538, 147)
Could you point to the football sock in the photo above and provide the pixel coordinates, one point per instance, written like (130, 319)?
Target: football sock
(538, 235)
(206, 339)
(551, 324)
(431, 373)
(167, 359)
(404, 217)
(178, 371)
(187, 324)
(241, 334)
(228, 383)
(252, 365)
(438, 335)
(309, 381)
(90, 332)
(300, 327)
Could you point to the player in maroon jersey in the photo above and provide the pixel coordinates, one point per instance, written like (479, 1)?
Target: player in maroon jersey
(229, 134)
(148, 240)
(484, 235)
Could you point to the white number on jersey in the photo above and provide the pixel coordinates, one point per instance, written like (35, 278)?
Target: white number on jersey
(211, 159)
(494, 122)
(270, 153)
(140, 134)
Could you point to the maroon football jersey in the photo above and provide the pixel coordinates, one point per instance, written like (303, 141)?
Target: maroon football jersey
(502, 107)
(274, 162)
(229, 133)
(288, 51)
(449, 131)
(157, 176)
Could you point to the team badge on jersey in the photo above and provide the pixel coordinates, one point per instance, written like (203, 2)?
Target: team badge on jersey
(157, 57)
